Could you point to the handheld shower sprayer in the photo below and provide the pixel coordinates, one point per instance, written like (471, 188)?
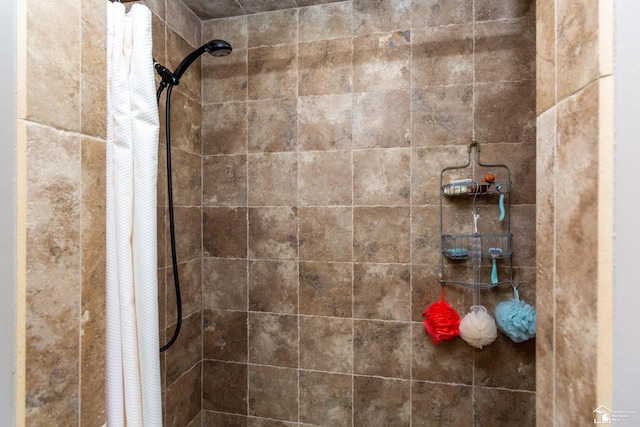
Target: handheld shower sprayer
(169, 80)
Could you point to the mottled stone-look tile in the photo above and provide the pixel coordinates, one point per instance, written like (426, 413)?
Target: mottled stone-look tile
(326, 344)
(324, 122)
(325, 289)
(224, 387)
(545, 55)
(224, 180)
(521, 160)
(451, 361)
(381, 119)
(183, 398)
(507, 364)
(442, 56)
(273, 392)
(373, 16)
(272, 125)
(437, 13)
(324, 178)
(190, 277)
(273, 339)
(273, 286)
(224, 283)
(577, 45)
(265, 422)
(224, 128)
(186, 121)
(233, 30)
(545, 262)
(505, 112)
(273, 179)
(426, 164)
(274, 28)
(325, 399)
(523, 227)
(219, 419)
(331, 21)
(382, 62)
(273, 233)
(186, 352)
(381, 234)
(177, 49)
(273, 71)
(576, 234)
(441, 404)
(186, 178)
(441, 116)
(382, 348)
(381, 402)
(505, 50)
(426, 289)
(53, 238)
(494, 407)
(224, 335)
(257, 6)
(184, 21)
(224, 232)
(488, 10)
(326, 234)
(188, 233)
(93, 71)
(220, 9)
(225, 78)
(325, 67)
(382, 291)
(381, 177)
(57, 62)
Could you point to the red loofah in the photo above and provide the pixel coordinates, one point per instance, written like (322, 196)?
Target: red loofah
(441, 321)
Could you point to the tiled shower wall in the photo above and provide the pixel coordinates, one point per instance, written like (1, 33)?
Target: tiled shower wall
(323, 136)
(575, 133)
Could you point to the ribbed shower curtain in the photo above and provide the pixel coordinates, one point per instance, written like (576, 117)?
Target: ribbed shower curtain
(133, 359)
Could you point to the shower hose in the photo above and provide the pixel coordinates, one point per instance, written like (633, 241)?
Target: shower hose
(172, 231)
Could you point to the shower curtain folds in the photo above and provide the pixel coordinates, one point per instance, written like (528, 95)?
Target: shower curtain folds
(133, 360)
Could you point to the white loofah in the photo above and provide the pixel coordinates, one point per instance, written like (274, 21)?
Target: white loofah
(478, 328)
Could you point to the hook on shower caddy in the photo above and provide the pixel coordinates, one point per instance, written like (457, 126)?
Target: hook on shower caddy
(481, 183)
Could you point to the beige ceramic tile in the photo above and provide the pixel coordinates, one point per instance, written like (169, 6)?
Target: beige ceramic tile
(325, 398)
(273, 339)
(324, 178)
(329, 21)
(224, 387)
(325, 122)
(430, 13)
(273, 286)
(455, 404)
(381, 119)
(180, 18)
(275, 28)
(272, 125)
(545, 55)
(382, 62)
(232, 30)
(325, 67)
(58, 103)
(273, 71)
(372, 16)
(224, 128)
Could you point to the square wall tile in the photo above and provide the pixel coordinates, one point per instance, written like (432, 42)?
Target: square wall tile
(224, 180)
(273, 286)
(441, 404)
(272, 125)
(224, 335)
(381, 402)
(273, 71)
(451, 361)
(273, 179)
(372, 16)
(224, 128)
(326, 234)
(382, 291)
(382, 348)
(325, 399)
(224, 387)
(274, 28)
(326, 344)
(381, 119)
(224, 283)
(324, 122)
(325, 289)
(225, 78)
(273, 233)
(325, 67)
(381, 234)
(325, 178)
(382, 62)
(438, 13)
(381, 177)
(273, 339)
(273, 393)
(224, 232)
(330, 21)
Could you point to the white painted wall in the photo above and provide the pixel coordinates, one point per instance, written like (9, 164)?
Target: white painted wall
(626, 297)
(7, 210)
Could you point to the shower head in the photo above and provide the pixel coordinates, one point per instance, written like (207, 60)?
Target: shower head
(214, 47)
(218, 48)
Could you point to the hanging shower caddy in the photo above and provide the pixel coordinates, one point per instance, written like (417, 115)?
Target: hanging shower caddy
(475, 223)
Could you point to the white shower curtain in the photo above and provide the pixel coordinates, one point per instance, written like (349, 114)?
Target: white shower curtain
(133, 359)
